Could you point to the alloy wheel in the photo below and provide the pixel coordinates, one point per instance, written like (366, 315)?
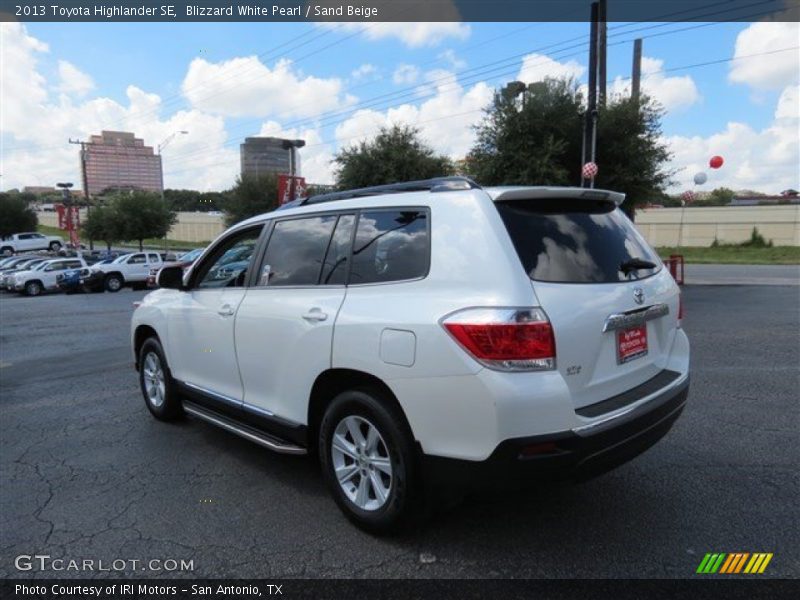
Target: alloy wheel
(153, 380)
(361, 463)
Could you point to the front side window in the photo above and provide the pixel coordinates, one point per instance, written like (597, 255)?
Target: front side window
(390, 245)
(296, 251)
(334, 271)
(229, 262)
(137, 259)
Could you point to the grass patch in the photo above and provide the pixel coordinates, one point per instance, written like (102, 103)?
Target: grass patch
(737, 255)
(154, 243)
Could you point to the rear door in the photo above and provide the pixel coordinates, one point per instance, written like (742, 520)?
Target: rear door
(614, 324)
(284, 327)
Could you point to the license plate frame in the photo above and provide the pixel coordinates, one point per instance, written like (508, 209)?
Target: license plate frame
(631, 343)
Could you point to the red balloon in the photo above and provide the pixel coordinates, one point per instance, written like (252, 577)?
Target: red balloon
(715, 162)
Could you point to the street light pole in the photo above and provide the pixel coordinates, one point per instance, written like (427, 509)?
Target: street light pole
(160, 147)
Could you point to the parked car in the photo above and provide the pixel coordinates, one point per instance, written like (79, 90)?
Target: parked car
(7, 275)
(42, 277)
(184, 261)
(430, 335)
(69, 281)
(127, 270)
(23, 242)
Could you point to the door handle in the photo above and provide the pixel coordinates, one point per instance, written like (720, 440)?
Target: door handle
(226, 310)
(315, 314)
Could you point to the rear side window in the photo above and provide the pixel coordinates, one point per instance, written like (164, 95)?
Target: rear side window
(296, 251)
(580, 241)
(390, 245)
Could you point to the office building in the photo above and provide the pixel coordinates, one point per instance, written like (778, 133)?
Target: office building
(120, 160)
(265, 155)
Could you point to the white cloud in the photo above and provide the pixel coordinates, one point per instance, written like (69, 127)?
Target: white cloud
(764, 160)
(445, 120)
(73, 80)
(789, 103)
(673, 93)
(405, 74)
(538, 67)
(413, 35)
(37, 127)
(771, 71)
(363, 71)
(449, 56)
(245, 87)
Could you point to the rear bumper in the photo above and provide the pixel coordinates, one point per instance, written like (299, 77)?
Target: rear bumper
(578, 454)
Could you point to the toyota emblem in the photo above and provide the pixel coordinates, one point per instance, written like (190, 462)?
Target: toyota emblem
(638, 295)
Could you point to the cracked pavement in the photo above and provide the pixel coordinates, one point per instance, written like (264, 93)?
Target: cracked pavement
(86, 473)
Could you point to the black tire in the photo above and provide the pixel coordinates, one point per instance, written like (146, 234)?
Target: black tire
(113, 283)
(402, 502)
(55, 246)
(6, 251)
(33, 288)
(170, 407)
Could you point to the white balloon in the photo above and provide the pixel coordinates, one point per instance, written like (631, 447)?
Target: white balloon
(700, 178)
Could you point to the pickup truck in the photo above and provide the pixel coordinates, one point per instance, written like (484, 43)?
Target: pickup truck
(23, 242)
(128, 270)
(43, 276)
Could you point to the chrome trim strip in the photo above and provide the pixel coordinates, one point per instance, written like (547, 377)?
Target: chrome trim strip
(631, 407)
(223, 397)
(616, 321)
(283, 448)
(258, 410)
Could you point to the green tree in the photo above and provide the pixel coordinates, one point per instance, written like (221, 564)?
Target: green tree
(396, 154)
(102, 223)
(720, 196)
(533, 140)
(16, 215)
(140, 215)
(537, 139)
(250, 196)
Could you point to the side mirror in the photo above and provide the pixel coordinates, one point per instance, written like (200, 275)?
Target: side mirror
(170, 278)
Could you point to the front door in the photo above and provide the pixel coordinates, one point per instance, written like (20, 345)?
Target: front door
(201, 324)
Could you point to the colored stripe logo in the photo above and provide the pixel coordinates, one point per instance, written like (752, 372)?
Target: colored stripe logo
(734, 562)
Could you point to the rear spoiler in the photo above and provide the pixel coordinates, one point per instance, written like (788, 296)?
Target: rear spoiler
(502, 194)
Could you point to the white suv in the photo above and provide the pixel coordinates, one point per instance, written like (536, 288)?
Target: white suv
(424, 335)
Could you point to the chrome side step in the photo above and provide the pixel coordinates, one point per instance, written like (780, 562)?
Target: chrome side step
(266, 440)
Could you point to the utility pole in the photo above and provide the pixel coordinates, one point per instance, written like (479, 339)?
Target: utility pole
(636, 75)
(590, 126)
(602, 51)
(84, 182)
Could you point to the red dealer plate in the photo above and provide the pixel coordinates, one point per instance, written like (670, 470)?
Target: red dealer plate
(631, 343)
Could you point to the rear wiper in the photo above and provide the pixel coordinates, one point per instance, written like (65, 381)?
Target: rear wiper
(634, 264)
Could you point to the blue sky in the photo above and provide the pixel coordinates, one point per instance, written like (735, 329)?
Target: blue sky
(222, 81)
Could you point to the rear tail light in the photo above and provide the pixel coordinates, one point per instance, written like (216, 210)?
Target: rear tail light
(505, 339)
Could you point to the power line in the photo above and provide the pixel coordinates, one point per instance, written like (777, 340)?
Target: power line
(464, 77)
(651, 73)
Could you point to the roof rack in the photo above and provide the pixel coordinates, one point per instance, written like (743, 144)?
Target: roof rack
(437, 184)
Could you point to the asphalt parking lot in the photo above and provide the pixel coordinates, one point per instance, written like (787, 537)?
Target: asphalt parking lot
(86, 473)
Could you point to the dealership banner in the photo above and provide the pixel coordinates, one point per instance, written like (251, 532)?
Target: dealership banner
(392, 10)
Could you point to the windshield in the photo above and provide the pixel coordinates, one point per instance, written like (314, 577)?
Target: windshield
(191, 255)
(120, 259)
(575, 241)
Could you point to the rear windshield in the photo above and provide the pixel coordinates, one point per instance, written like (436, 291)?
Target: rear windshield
(578, 241)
